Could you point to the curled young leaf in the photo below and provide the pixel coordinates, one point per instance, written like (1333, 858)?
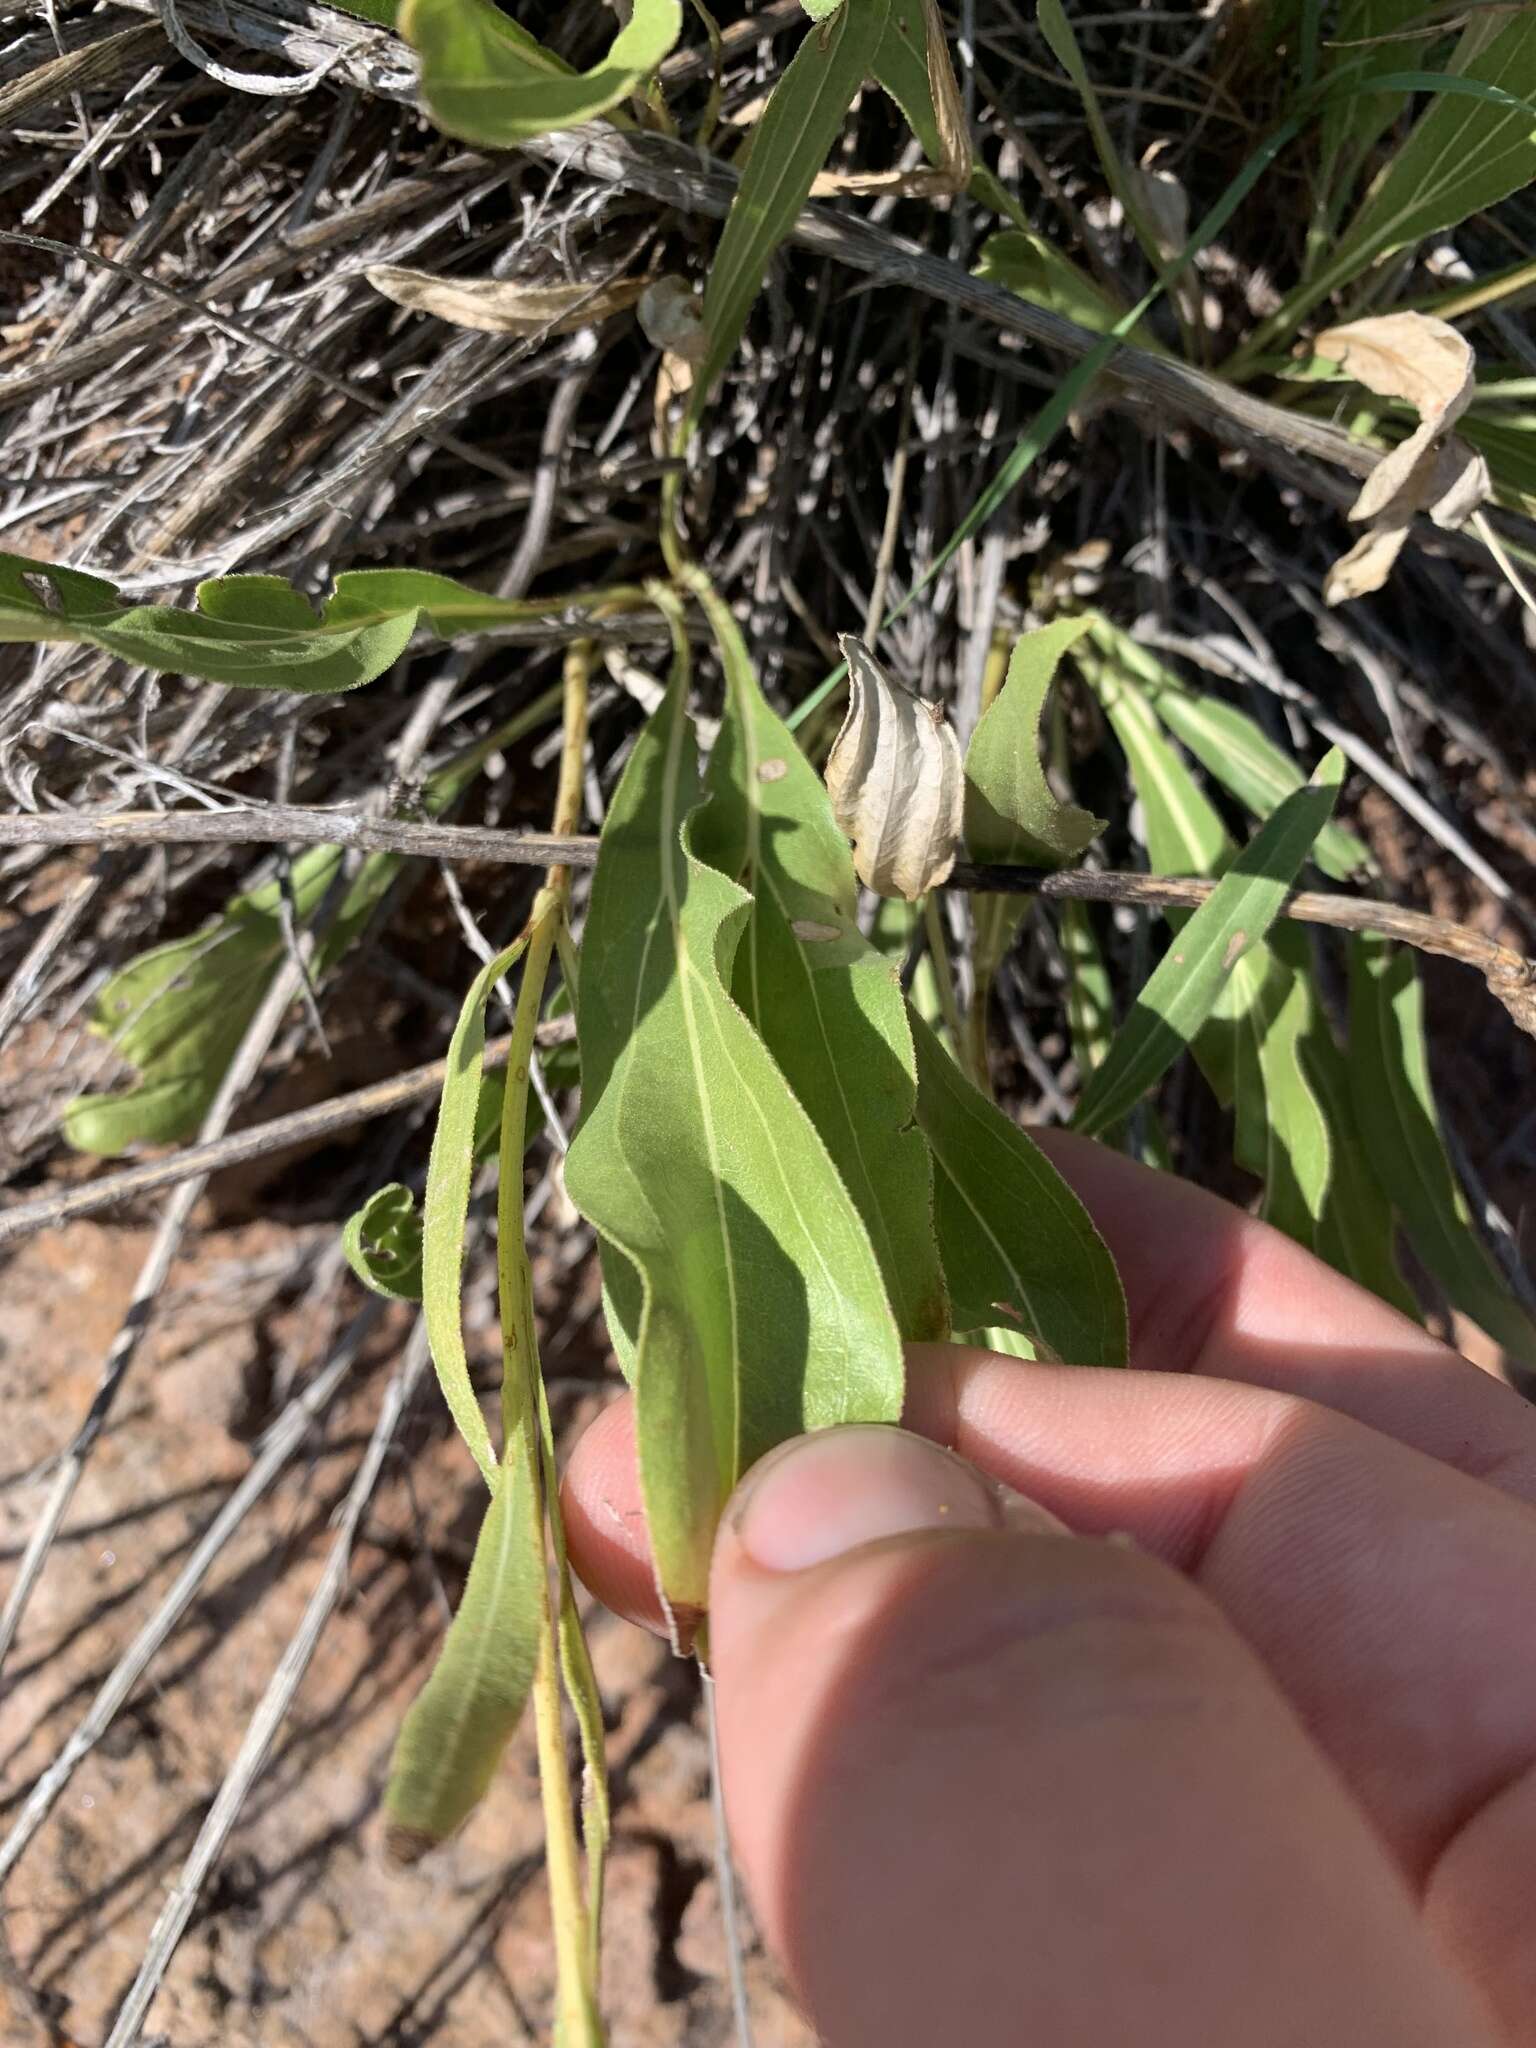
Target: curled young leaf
(382, 1243)
(497, 305)
(1011, 812)
(896, 781)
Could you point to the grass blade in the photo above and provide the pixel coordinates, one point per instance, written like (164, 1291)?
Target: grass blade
(790, 144)
(1185, 985)
(1390, 1087)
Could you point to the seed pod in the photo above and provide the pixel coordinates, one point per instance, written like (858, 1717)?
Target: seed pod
(896, 781)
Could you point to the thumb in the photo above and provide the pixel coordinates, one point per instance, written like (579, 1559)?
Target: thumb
(990, 1781)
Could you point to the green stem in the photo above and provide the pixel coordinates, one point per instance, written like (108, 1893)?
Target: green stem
(943, 972)
(578, 2022)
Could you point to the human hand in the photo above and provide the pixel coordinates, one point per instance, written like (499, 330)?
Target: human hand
(1263, 1774)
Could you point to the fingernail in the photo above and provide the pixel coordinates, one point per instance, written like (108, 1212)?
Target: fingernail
(829, 1493)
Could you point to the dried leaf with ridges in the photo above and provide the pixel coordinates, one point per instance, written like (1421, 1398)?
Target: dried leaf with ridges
(896, 781)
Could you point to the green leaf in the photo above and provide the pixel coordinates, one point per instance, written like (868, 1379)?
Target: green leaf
(1356, 1233)
(1298, 1145)
(790, 144)
(1057, 30)
(1183, 989)
(179, 1011)
(1090, 1000)
(1462, 155)
(823, 1000)
(1230, 746)
(1024, 262)
(1389, 1085)
(762, 1310)
(1184, 836)
(486, 80)
(1365, 44)
(382, 1243)
(255, 632)
(382, 13)
(460, 1722)
(1011, 812)
(445, 1211)
(1017, 1244)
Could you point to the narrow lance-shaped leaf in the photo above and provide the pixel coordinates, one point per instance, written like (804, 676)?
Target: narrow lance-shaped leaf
(1025, 263)
(446, 1209)
(1090, 1000)
(1357, 1231)
(1462, 155)
(825, 1003)
(255, 632)
(763, 1312)
(1231, 746)
(1184, 986)
(1298, 1146)
(486, 80)
(1019, 1248)
(179, 1011)
(789, 145)
(1185, 835)
(1389, 1085)
(462, 1719)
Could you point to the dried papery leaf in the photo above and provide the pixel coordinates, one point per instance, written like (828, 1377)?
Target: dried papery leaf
(1164, 201)
(955, 157)
(896, 781)
(1368, 563)
(501, 305)
(1458, 483)
(672, 318)
(1421, 360)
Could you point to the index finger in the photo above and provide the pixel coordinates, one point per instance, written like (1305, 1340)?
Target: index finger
(1217, 1293)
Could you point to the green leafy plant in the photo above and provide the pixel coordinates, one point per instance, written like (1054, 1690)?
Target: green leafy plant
(791, 1157)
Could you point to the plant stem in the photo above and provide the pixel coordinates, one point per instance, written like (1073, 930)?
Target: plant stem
(578, 2021)
(943, 972)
